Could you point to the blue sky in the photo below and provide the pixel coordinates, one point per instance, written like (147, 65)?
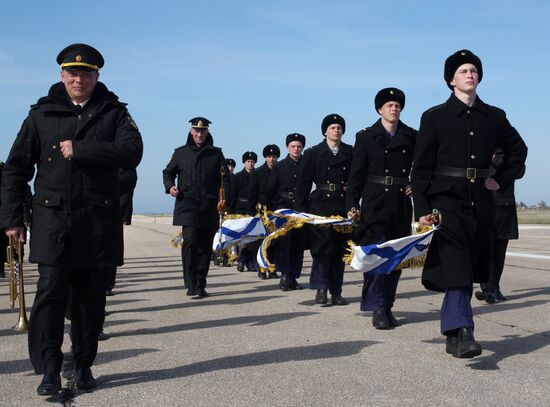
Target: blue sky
(260, 70)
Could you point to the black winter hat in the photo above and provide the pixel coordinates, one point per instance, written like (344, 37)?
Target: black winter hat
(230, 162)
(389, 95)
(250, 155)
(271, 149)
(332, 119)
(461, 57)
(296, 137)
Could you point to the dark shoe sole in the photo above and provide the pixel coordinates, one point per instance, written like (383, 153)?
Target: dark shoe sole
(468, 353)
(49, 390)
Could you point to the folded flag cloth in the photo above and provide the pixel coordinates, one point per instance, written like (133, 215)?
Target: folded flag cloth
(240, 231)
(385, 257)
(284, 220)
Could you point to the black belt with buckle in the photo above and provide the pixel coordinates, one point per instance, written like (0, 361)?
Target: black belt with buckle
(468, 173)
(388, 180)
(330, 187)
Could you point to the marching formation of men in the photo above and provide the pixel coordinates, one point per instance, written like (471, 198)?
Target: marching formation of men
(80, 136)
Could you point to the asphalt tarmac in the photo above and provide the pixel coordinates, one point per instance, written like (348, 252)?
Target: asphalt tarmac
(250, 344)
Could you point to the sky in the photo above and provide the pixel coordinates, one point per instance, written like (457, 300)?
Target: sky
(260, 70)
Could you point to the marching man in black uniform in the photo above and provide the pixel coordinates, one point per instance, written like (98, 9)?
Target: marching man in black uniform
(240, 188)
(288, 250)
(200, 169)
(382, 160)
(77, 138)
(455, 145)
(258, 185)
(326, 164)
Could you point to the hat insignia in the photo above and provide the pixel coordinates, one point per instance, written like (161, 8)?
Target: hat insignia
(78, 58)
(463, 53)
(199, 123)
(391, 92)
(334, 117)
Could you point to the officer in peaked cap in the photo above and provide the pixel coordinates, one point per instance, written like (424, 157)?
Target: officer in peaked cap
(382, 159)
(239, 205)
(77, 135)
(326, 164)
(455, 145)
(193, 176)
(287, 251)
(258, 185)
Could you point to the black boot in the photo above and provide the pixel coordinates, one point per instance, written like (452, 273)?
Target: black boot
(272, 274)
(284, 284)
(380, 320)
(393, 322)
(466, 346)
(339, 300)
(451, 344)
(240, 267)
(321, 296)
(201, 292)
(295, 284)
(50, 385)
(262, 275)
(499, 296)
(84, 378)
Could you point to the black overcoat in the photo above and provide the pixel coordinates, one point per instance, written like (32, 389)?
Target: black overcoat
(320, 166)
(127, 180)
(75, 210)
(386, 212)
(281, 186)
(258, 186)
(455, 135)
(505, 221)
(199, 176)
(240, 187)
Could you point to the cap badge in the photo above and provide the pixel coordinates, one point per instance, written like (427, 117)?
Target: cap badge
(78, 58)
(391, 92)
(463, 53)
(200, 123)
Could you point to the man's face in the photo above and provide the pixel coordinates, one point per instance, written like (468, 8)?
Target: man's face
(295, 150)
(249, 165)
(390, 111)
(271, 160)
(79, 84)
(465, 79)
(231, 169)
(199, 135)
(334, 133)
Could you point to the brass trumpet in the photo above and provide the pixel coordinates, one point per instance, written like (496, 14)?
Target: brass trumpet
(14, 263)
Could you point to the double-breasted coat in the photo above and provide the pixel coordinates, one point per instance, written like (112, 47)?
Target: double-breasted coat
(258, 185)
(199, 175)
(386, 212)
(454, 135)
(76, 215)
(281, 186)
(329, 173)
(240, 188)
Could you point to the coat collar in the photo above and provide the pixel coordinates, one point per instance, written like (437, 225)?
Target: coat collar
(401, 137)
(458, 107)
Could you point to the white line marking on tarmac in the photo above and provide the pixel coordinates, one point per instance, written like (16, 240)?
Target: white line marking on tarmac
(528, 255)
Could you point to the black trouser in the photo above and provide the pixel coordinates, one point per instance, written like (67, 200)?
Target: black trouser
(498, 256)
(110, 278)
(46, 322)
(195, 255)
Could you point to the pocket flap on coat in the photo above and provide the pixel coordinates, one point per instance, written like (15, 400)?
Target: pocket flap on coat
(48, 199)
